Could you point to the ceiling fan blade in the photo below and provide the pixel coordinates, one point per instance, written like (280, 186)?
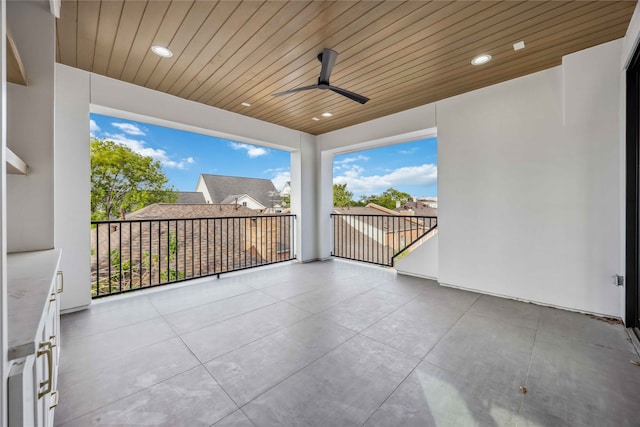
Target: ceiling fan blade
(328, 58)
(351, 95)
(299, 89)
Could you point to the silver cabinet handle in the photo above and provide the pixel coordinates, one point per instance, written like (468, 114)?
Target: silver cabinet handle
(57, 395)
(46, 349)
(61, 276)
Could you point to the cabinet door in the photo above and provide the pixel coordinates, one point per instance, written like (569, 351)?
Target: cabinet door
(46, 366)
(21, 393)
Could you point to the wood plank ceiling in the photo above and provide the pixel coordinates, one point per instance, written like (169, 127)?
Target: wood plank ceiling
(399, 54)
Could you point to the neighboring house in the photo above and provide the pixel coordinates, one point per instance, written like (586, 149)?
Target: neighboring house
(169, 241)
(243, 200)
(286, 189)
(185, 197)
(218, 188)
(374, 233)
(422, 207)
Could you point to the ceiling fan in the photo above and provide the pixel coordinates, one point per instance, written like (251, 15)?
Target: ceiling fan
(328, 59)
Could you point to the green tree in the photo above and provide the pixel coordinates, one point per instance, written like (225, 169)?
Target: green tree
(342, 196)
(124, 181)
(286, 201)
(387, 199)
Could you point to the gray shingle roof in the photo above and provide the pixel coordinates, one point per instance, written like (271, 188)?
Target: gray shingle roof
(190, 197)
(221, 186)
(174, 210)
(231, 199)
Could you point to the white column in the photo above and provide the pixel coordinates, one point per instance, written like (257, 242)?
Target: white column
(73, 184)
(303, 197)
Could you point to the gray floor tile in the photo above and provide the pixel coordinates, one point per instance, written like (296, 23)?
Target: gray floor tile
(407, 285)
(192, 398)
(509, 311)
(203, 315)
(291, 288)
(317, 334)
(431, 396)
(583, 384)
(124, 354)
(414, 328)
(251, 370)
(532, 417)
(365, 309)
(450, 297)
(328, 296)
(103, 317)
(342, 388)
(237, 419)
(99, 349)
(192, 296)
(83, 391)
(581, 327)
(213, 341)
(486, 351)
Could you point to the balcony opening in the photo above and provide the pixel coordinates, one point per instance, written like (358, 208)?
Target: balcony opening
(385, 201)
(169, 205)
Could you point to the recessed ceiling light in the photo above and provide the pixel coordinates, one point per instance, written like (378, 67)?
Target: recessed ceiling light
(481, 59)
(327, 114)
(518, 46)
(246, 104)
(161, 51)
(315, 119)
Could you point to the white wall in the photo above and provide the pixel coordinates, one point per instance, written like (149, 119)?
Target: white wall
(30, 113)
(422, 261)
(73, 184)
(119, 99)
(529, 185)
(4, 365)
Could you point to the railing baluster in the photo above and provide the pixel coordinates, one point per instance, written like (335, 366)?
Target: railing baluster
(274, 242)
(377, 239)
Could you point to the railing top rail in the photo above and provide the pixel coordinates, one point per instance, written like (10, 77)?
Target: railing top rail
(116, 221)
(387, 216)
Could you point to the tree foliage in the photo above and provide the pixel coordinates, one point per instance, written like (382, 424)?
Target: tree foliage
(342, 196)
(124, 181)
(286, 201)
(387, 199)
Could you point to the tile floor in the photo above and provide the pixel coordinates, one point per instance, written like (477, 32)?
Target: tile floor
(340, 344)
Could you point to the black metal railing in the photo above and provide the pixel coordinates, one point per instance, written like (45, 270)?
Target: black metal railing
(378, 239)
(128, 255)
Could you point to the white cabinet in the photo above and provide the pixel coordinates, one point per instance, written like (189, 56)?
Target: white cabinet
(34, 281)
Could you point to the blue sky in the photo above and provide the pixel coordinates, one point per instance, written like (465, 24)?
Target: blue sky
(409, 167)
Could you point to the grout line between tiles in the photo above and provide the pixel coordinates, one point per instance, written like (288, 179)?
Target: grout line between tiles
(526, 378)
(126, 397)
(418, 364)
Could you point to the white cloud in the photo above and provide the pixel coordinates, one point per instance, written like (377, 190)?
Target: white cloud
(426, 174)
(128, 128)
(409, 151)
(345, 163)
(281, 178)
(359, 158)
(93, 127)
(252, 150)
(140, 147)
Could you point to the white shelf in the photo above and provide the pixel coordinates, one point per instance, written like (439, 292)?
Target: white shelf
(15, 165)
(15, 69)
